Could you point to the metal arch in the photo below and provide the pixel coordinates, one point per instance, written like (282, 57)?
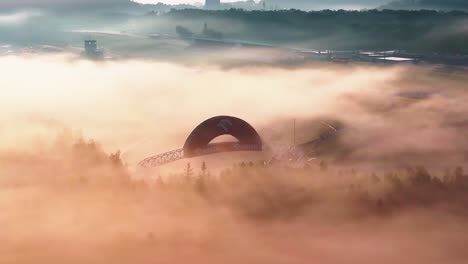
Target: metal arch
(305, 151)
(179, 154)
(198, 142)
(214, 127)
(162, 159)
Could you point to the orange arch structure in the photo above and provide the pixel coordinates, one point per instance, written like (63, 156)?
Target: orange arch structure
(198, 143)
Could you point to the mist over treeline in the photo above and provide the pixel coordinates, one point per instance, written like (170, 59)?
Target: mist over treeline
(90, 208)
(422, 31)
(394, 181)
(272, 4)
(306, 5)
(413, 31)
(389, 186)
(427, 4)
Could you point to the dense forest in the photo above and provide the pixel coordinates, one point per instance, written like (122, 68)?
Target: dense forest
(428, 4)
(419, 31)
(250, 188)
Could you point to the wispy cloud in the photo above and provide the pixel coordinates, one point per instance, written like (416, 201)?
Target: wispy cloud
(18, 17)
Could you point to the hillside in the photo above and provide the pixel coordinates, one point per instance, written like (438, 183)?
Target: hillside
(445, 5)
(422, 31)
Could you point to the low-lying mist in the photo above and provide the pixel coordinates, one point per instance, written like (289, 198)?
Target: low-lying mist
(390, 189)
(120, 103)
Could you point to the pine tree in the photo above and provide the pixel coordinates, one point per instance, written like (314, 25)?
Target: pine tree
(189, 170)
(204, 169)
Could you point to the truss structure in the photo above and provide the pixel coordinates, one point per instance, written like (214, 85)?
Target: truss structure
(162, 159)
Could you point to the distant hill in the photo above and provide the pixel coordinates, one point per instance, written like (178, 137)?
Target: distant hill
(329, 4)
(414, 31)
(242, 4)
(446, 5)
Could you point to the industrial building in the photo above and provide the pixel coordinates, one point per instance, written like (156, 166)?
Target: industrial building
(91, 50)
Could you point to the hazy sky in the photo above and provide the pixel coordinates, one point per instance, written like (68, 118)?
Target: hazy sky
(175, 1)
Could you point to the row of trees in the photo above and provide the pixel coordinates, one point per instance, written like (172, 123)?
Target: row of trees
(419, 31)
(185, 32)
(253, 189)
(266, 191)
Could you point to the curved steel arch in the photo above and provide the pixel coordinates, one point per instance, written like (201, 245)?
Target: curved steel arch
(198, 143)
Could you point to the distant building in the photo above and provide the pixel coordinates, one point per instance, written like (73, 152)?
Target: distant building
(90, 46)
(91, 50)
(212, 4)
